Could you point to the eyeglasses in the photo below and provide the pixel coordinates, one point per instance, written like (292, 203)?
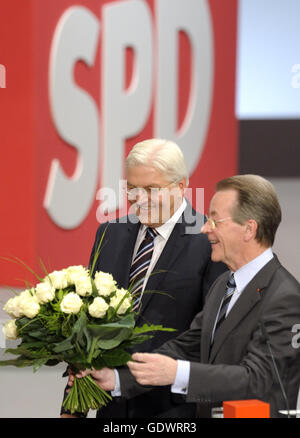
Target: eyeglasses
(213, 222)
(150, 191)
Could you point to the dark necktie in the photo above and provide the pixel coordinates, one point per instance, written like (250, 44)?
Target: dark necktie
(141, 264)
(230, 288)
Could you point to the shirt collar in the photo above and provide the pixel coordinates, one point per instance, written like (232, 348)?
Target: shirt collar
(166, 229)
(244, 275)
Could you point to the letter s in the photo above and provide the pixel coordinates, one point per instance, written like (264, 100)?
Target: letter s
(75, 115)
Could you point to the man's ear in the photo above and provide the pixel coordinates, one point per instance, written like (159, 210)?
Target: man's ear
(182, 185)
(250, 230)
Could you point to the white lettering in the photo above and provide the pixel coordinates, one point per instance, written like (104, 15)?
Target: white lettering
(2, 76)
(75, 114)
(174, 16)
(296, 338)
(125, 112)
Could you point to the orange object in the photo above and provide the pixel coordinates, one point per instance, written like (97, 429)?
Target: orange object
(246, 409)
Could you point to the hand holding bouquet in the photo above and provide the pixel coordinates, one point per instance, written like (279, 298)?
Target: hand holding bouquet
(72, 317)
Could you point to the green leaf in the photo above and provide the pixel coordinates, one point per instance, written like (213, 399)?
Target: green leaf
(110, 313)
(136, 339)
(108, 344)
(95, 292)
(66, 328)
(101, 329)
(20, 362)
(32, 344)
(18, 261)
(114, 358)
(60, 295)
(79, 326)
(112, 334)
(76, 335)
(38, 363)
(56, 307)
(88, 339)
(25, 324)
(151, 328)
(15, 351)
(65, 345)
(97, 252)
(39, 334)
(29, 353)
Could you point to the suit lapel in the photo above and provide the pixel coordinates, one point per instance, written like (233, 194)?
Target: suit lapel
(210, 315)
(124, 255)
(249, 298)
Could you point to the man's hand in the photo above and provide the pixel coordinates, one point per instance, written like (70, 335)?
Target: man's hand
(104, 378)
(153, 369)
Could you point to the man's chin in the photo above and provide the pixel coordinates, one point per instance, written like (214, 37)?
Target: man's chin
(215, 255)
(152, 218)
(148, 222)
(147, 217)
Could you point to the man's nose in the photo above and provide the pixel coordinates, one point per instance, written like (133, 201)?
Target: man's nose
(142, 195)
(203, 229)
(206, 228)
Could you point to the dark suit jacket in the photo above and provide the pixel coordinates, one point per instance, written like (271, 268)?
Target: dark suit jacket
(187, 276)
(238, 366)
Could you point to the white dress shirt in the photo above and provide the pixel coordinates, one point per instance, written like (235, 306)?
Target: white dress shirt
(242, 277)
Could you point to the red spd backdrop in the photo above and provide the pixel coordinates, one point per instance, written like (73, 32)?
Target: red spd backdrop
(85, 81)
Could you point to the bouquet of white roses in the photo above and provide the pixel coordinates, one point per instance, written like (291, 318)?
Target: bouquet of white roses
(71, 316)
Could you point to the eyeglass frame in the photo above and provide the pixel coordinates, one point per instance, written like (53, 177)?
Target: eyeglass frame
(213, 222)
(148, 190)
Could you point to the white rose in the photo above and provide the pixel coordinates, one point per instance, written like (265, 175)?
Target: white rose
(83, 285)
(71, 303)
(45, 292)
(29, 304)
(98, 308)
(73, 272)
(12, 307)
(59, 279)
(105, 283)
(10, 330)
(115, 300)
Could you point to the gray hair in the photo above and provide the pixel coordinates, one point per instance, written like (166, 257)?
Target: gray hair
(257, 199)
(164, 155)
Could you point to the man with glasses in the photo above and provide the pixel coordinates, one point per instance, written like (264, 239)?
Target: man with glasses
(225, 354)
(158, 248)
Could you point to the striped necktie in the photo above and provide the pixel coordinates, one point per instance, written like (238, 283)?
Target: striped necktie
(141, 264)
(230, 288)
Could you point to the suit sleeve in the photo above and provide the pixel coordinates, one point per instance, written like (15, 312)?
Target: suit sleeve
(185, 347)
(254, 376)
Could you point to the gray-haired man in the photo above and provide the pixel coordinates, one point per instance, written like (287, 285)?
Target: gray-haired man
(180, 258)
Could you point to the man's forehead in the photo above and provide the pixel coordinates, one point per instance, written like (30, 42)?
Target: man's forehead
(144, 175)
(221, 200)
